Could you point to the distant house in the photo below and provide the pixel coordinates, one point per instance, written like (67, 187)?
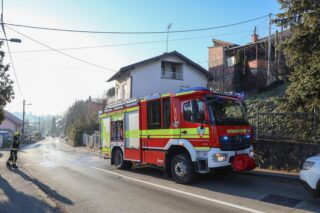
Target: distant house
(8, 126)
(164, 73)
(222, 59)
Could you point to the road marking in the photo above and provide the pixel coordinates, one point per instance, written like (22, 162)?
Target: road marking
(181, 192)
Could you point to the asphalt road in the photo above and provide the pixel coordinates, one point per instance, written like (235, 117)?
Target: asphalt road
(83, 182)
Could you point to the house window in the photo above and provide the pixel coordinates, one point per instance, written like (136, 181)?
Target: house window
(154, 115)
(171, 70)
(192, 109)
(117, 130)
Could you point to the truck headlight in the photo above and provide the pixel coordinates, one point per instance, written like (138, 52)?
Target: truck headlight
(219, 157)
(251, 153)
(307, 165)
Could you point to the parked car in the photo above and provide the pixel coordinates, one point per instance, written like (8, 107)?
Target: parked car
(310, 174)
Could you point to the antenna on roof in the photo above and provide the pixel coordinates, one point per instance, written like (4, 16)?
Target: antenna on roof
(168, 29)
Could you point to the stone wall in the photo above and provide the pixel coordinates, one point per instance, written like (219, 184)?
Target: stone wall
(283, 155)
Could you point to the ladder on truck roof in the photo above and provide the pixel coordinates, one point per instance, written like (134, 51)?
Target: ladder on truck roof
(121, 104)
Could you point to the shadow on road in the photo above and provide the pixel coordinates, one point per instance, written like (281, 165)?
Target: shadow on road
(45, 188)
(255, 188)
(15, 201)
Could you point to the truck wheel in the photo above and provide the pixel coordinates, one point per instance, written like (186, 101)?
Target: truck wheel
(119, 162)
(181, 169)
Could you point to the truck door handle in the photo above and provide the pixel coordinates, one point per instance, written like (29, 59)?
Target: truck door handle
(184, 132)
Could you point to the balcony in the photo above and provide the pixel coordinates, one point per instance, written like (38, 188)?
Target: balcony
(172, 75)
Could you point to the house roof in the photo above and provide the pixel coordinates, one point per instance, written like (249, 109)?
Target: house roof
(126, 69)
(13, 118)
(219, 43)
(285, 33)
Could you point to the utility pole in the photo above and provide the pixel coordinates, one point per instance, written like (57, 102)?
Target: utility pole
(269, 80)
(39, 126)
(168, 29)
(23, 116)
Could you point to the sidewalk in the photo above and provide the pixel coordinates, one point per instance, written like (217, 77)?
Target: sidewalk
(17, 194)
(280, 176)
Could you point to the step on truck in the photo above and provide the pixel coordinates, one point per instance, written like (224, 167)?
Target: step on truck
(191, 131)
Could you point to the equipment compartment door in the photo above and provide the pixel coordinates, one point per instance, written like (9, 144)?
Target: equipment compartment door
(105, 135)
(132, 149)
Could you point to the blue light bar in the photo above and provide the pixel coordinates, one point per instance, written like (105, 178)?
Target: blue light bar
(194, 89)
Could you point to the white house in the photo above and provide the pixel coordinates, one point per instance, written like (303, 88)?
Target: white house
(8, 126)
(168, 72)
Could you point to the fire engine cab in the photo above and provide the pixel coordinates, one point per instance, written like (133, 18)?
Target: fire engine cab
(191, 131)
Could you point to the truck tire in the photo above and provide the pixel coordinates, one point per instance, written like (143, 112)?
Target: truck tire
(182, 169)
(119, 162)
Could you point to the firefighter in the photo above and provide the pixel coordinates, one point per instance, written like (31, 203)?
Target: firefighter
(14, 151)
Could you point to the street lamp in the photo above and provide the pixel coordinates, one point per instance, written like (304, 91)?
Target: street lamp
(16, 40)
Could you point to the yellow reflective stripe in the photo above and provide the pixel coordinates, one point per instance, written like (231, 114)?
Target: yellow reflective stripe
(184, 93)
(102, 115)
(161, 132)
(132, 134)
(236, 131)
(160, 136)
(119, 116)
(194, 131)
(203, 148)
(194, 136)
(123, 111)
(166, 133)
(165, 95)
(132, 109)
(105, 149)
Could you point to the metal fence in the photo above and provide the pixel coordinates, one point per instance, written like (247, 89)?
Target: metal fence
(289, 126)
(91, 141)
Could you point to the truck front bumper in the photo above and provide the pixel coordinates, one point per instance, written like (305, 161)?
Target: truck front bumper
(218, 158)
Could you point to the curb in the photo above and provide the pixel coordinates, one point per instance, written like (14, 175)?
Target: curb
(287, 178)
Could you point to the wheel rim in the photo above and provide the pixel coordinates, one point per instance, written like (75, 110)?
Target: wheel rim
(181, 169)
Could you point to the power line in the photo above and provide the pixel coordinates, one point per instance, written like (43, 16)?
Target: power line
(128, 44)
(65, 54)
(9, 51)
(133, 32)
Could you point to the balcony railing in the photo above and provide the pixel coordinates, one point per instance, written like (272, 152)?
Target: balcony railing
(172, 75)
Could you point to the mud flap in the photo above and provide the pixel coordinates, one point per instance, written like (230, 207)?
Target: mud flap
(243, 162)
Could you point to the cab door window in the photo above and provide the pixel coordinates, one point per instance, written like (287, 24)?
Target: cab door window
(193, 111)
(154, 115)
(166, 113)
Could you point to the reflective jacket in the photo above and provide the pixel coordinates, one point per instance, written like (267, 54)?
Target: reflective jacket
(15, 143)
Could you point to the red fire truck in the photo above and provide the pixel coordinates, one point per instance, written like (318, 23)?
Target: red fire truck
(187, 132)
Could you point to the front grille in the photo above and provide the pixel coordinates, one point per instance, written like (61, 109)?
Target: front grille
(233, 143)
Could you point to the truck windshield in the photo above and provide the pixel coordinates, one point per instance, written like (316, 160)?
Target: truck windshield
(224, 111)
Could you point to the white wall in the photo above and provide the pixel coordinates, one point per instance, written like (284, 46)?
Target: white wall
(122, 88)
(146, 79)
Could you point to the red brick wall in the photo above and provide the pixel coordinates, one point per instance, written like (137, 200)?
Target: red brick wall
(261, 64)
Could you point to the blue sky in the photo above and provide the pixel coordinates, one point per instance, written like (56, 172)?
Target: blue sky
(52, 69)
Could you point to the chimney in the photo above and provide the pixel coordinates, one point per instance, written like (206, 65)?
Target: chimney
(254, 36)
